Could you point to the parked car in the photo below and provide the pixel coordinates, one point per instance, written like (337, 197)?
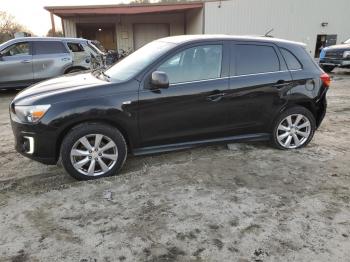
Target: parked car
(24, 61)
(171, 94)
(336, 56)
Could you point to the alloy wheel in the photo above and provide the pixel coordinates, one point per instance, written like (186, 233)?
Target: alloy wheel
(293, 131)
(94, 154)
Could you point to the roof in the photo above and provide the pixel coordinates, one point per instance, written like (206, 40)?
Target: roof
(66, 11)
(29, 39)
(192, 38)
(34, 38)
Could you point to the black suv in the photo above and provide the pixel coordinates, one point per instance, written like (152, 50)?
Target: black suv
(174, 93)
(336, 56)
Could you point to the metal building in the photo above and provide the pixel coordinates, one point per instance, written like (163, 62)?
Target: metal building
(314, 22)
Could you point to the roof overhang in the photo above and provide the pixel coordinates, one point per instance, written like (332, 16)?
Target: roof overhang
(68, 11)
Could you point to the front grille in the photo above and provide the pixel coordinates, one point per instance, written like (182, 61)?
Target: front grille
(334, 54)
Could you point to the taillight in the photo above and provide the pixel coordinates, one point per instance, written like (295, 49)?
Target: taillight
(326, 80)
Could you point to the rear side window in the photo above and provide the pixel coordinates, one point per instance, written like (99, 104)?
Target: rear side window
(254, 59)
(75, 47)
(291, 60)
(49, 47)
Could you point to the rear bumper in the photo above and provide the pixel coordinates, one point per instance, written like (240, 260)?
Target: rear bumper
(321, 109)
(35, 142)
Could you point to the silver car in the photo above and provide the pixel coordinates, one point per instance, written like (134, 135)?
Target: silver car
(24, 61)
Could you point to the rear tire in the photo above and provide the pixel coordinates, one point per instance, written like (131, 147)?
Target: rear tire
(328, 69)
(294, 128)
(93, 150)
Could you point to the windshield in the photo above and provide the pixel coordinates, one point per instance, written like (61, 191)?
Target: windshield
(347, 41)
(133, 64)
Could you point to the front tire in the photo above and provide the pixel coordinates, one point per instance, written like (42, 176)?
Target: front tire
(294, 128)
(93, 150)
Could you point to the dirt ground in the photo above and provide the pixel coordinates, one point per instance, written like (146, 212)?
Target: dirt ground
(250, 203)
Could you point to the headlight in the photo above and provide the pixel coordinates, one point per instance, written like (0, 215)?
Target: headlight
(346, 54)
(31, 114)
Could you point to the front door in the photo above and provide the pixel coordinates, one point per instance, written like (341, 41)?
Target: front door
(194, 107)
(16, 65)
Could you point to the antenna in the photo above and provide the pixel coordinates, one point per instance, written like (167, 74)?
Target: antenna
(267, 34)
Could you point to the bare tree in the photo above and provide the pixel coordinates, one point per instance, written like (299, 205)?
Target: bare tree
(9, 26)
(57, 34)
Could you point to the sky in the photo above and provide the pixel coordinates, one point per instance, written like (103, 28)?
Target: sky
(31, 13)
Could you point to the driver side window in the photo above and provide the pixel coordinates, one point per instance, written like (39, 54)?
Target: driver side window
(193, 64)
(17, 49)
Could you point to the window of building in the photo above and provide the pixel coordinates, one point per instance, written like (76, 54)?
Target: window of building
(254, 59)
(49, 47)
(193, 64)
(292, 62)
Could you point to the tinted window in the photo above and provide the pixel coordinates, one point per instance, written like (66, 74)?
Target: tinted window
(253, 59)
(291, 60)
(196, 63)
(17, 49)
(49, 47)
(75, 47)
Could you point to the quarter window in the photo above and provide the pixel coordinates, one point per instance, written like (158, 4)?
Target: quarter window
(292, 62)
(75, 47)
(196, 63)
(17, 49)
(254, 59)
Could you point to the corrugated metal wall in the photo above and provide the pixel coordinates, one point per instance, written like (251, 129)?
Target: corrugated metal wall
(298, 20)
(70, 29)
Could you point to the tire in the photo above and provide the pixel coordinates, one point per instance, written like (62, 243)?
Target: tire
(328, 69)
(287, 133)
(82, 158)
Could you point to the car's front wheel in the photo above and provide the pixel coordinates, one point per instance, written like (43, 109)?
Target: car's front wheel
(93, 150)
(294, 128)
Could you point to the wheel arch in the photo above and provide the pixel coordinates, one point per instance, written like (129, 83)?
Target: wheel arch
(66, 71)
(71, 126)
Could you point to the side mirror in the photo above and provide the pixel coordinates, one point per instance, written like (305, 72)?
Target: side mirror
(159, 79)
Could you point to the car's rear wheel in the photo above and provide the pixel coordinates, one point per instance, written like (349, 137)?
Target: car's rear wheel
(294, 128)
(328, 69)
(91, 151)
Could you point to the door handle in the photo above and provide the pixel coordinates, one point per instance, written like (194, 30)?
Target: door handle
(280, 84)
(25, 61)
(215, 97)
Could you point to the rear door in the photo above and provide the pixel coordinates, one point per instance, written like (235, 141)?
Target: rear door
(259, 81)
(16, 65)
(50, 59)
(194, 106)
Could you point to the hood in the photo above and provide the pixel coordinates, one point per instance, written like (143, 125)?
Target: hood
(338, 47)
(56, 86)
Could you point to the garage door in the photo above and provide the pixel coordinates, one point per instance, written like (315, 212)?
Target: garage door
(145, 33)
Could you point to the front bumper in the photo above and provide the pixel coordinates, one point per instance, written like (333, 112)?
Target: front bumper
(335, 62)
(37, 142)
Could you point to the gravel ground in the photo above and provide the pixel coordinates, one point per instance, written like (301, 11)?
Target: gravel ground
(249, 203)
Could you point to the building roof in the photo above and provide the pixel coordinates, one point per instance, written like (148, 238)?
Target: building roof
(66, 11)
